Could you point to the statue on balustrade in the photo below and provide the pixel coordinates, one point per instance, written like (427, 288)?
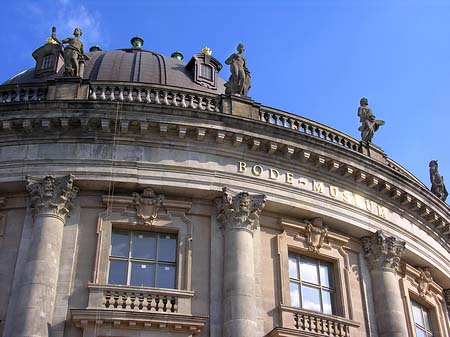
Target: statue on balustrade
(369, 123)
(239, 81)
(437, 181)
(74, 56)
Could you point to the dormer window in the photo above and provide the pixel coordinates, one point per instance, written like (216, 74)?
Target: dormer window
(204, 69)
(49, 59)
(47, 62)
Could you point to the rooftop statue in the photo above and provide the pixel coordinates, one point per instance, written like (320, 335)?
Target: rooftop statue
(74, 56)
(239, 81)
(369, 125)
(437, 181)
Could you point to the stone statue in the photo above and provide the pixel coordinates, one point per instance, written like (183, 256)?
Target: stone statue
(74, 56)
(369, 125)
(239, 81)
(437, 181)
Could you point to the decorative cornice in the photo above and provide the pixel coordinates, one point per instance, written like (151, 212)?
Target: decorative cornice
(316, 233)
(241, 210)
(52, 195)
(382, 252)
(147, 205)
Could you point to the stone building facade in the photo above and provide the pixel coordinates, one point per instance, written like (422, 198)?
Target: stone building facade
(141, 200)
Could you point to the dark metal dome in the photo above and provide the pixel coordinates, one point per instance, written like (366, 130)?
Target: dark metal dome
(130, 65)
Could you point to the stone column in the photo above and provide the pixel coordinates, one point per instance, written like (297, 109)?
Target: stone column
(240, 217)
(383, 258)
(51, 199)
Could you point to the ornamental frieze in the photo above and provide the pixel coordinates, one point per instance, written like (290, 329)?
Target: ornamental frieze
(382, 252)
(241, 210)
(52, 195)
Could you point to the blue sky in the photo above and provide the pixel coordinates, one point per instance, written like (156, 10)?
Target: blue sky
(314, 58)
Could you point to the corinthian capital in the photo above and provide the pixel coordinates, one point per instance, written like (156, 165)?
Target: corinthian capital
(52, 195)
(241, 210)
(382, 252)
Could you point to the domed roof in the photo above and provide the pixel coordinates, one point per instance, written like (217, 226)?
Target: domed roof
(130, 65)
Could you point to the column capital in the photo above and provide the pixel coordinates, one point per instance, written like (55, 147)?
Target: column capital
(241, 210)
(52, 196)
(382, 252)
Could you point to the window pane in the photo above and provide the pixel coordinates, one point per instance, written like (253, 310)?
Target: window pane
(165, 276)
(117, 272)
(325, 278)
(327, 302)
(293, 267)
(420, 333)
(426, 320)
(308, 271)
(142, 274)
(417, 313)
(167, 248)
(311, 298)
(295, 295)
(119, 243)
(143, 245)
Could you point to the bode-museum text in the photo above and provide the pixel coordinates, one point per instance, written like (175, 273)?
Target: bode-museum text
(316, 186)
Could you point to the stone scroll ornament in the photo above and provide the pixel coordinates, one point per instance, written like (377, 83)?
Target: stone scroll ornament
(382, 252)
(239, 82)
(74, 56)
(316, 233)
(241, 210)
(52, 195)
(147, 205)
(437, 181)
(369, 123)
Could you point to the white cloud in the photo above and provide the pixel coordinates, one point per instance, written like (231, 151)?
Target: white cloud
(65, 15)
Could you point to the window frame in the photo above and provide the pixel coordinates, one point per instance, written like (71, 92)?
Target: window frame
(174, 221)
(47, 62)
(331, 289)
(129, 259)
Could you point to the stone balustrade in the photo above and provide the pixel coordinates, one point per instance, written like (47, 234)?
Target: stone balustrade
(23, 93)
(308, 127)
(113, 297)
(310, 323)
(152, 95)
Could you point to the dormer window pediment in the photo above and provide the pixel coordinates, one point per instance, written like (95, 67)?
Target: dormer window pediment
(204, 69)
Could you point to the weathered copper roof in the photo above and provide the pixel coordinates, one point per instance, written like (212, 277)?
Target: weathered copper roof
(130, 65)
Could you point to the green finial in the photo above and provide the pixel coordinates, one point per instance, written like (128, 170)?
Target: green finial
(95, 48)
(137, 42)
(177, 55)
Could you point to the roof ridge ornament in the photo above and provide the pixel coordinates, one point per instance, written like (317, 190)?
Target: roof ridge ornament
(137, 42)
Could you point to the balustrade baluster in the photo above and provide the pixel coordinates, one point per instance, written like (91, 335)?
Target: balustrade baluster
(157, 100)
(103, 93)
(174, 98)
(131, 300)
(140, 304)
(112, 95)
(138, 97)
(183, 101)
(93, 93)
(148, 99)
(173, 304)
(121, 98)
(164, 301)
(191, 102)
(200, 103)
(166, 97)
(130, 95)
(35, 95)
(157, 307)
